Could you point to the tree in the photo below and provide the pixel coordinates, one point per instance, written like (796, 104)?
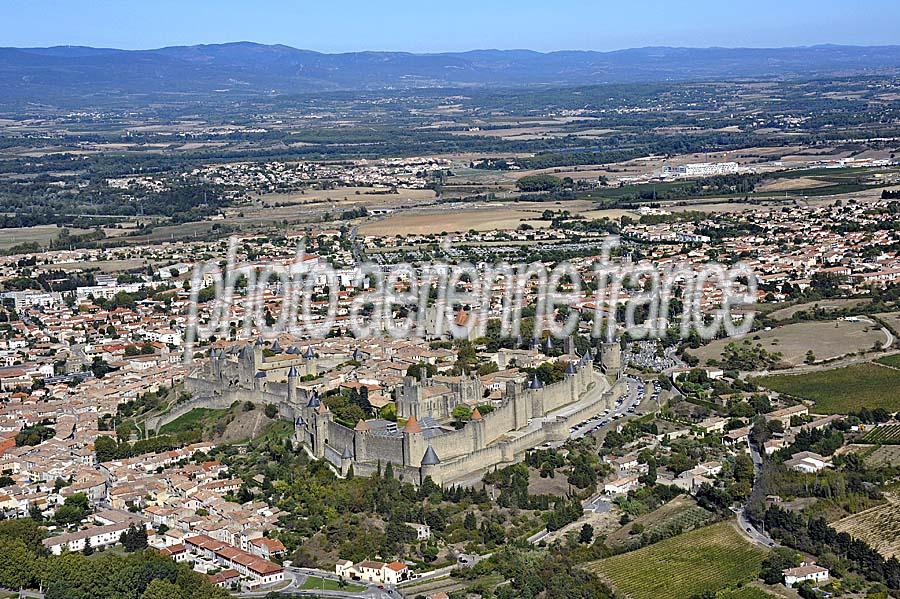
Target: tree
(17, 564)
(780, 559)
(743, 468)
(162, 589)
(271, 410)
(106, 447)
(586, 535)
(461, 413)
(88, 548)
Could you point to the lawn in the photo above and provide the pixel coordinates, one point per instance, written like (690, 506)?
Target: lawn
(314, 583)
(193, 420)
(706, 559)
(841, 390)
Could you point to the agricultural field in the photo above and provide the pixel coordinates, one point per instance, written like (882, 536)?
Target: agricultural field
(427, 222)
(679, 515)
(841, 390)
(886, 455)
(830, 304)
(41, 234)
(888, 434)
(745, 593)
(194, 419)
(892, 361)
(878, 526)
(826, 339)
(706, 559)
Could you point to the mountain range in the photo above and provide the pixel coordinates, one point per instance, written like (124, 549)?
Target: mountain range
(245, 68)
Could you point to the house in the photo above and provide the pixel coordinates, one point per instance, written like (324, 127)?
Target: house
(625, 463)
(392, 573)
(178, 552)
(621, 486)
(806, 461)
(267, 548)
(423, 531)
(784, 415)
(806, 571)
(226, 579)
(255, 570)
(713, 425)
(97, 536)
(736, 437)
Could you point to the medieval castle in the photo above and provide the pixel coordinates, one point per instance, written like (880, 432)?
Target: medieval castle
(528, 415)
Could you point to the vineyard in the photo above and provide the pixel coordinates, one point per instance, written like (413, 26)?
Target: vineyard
(885, 455)
(878, 526)
(744, 593)
(841, 390)
(706, 559)
(885, 435)
(678, 516)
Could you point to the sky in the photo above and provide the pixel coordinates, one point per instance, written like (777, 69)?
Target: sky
(439, 26)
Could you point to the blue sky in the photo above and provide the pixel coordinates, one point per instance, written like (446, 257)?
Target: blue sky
(435, 26)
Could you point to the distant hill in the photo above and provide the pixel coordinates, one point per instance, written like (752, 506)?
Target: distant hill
(69, 72)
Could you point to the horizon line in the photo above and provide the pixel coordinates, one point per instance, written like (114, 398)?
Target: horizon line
(438, 52)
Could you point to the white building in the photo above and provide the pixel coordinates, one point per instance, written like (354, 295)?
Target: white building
(794, 576)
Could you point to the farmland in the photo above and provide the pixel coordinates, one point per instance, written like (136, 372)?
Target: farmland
(892, 361)
(826, 339)
(744, 593)
(886, 455)
(841, 390)
(707, 559)
(878, 526)
(680, 514)
(888, 434)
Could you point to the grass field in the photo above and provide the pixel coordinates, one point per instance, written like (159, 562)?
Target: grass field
(327, 584)
(191, 421)
(707, 559)
(841, 390)
(892, 361)
(826, 339)
(878, 526)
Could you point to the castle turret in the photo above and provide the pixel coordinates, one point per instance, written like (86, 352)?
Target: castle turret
(478, 435)
(310, 364)
(430, 466)
(413, 442)
(258, 353)
(292, 385)
(360, 438)
(259, 381)
(346, 460)
(611, 359)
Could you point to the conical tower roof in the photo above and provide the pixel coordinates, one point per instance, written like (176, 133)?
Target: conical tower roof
(412, 426)
(430, 458)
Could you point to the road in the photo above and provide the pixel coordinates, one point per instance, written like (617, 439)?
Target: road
(298, 577)
(748, 529)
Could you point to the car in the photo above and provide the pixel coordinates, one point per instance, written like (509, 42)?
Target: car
(748, 529)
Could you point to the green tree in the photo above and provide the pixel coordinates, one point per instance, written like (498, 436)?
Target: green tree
(162, 589)
(586, 535)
